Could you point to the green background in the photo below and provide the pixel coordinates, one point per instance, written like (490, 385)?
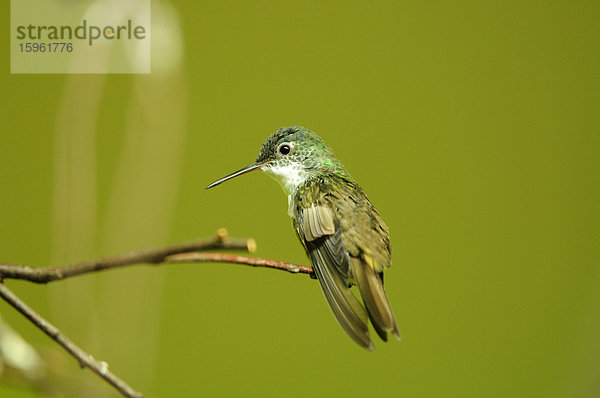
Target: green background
(473, 126)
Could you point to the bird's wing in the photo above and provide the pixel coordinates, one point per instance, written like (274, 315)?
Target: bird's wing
(365, 238)
(318, 222)
(321, 235)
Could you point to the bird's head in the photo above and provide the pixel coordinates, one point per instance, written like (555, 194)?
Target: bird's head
(292, 155)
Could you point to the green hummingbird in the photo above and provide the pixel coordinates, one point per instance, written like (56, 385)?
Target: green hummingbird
(342, 233)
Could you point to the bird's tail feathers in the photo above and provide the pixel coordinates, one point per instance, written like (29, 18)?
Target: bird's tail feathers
(371, 289)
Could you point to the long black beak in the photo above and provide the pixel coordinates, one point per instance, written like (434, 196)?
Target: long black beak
(245, 170)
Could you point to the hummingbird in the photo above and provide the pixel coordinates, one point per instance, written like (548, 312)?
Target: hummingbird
(342, 233)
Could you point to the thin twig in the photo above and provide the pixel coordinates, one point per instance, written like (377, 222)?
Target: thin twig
(233, 258)
(148, 256)
(85, 360)
(179, 253)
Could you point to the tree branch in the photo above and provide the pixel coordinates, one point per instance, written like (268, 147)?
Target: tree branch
(148, 256)
(85, 360)
(235, 259)
(179, 253)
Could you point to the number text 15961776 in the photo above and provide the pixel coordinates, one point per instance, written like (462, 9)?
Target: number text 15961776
(46, 47)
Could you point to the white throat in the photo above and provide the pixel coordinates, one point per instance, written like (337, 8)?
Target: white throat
(290, 176)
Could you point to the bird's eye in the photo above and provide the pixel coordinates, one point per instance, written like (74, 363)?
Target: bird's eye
(284, 149)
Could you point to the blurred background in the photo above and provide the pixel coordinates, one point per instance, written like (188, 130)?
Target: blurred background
(473, 127)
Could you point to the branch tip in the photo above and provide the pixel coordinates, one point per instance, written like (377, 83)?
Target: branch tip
(222, 234)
